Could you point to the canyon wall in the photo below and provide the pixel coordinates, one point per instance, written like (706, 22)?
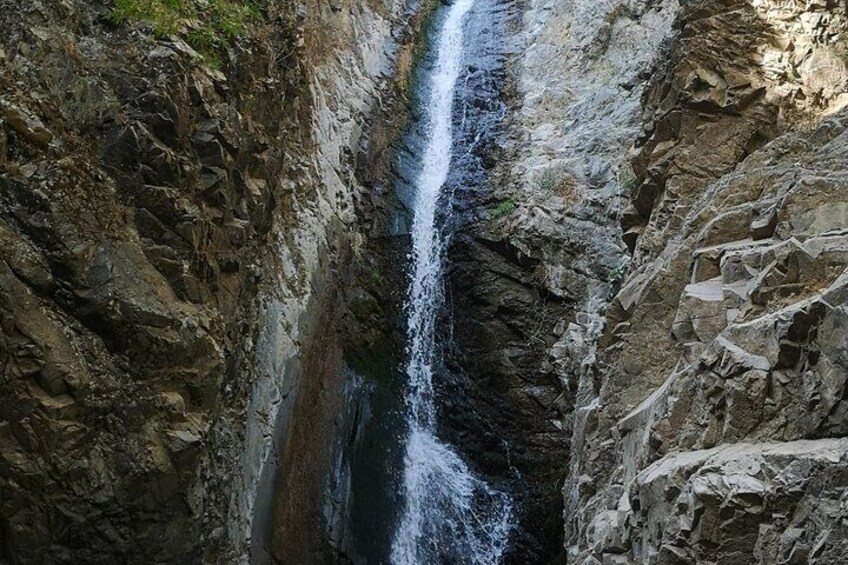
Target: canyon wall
(175, 232)
(654, 286)
(535, 268)
(202, 266)
(709, 427)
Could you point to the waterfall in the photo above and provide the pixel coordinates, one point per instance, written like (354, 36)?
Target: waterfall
(449, 515)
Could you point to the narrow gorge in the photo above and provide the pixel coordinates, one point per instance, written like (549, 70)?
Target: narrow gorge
(422, 282)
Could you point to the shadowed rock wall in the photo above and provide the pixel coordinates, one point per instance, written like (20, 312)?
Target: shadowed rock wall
(172, 235)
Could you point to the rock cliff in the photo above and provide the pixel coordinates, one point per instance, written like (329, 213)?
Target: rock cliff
(202, 257)
(175, 230)
(699, 381)
(709, 427)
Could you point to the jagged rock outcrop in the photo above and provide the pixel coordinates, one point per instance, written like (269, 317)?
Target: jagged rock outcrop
(762, 353)
(533, 270)
(173, 237)
(131, 229)
(710, 428)
(710, 505)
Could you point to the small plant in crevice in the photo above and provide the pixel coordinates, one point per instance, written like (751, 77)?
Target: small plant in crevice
(368, 273)
(627, 180)
(559, 180)
(550, 178)
(375, 275)
(505, 207)
(615, 276)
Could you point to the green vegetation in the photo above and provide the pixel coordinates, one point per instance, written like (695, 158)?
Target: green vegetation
(208, 25)
(505, 207)
(367, 272)
(616, 276)
(558, 180)
(375, 275)
(627, 180)
(551, 178)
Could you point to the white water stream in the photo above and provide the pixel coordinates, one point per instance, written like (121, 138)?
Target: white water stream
(449, 515)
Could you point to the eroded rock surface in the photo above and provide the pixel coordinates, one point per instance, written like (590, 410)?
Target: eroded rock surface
(534, 267)
(711, 429)
(173, 237)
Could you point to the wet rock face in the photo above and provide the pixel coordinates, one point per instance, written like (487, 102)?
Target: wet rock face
(714, 431)
(501, 399)
(532, 269)
(507, 402)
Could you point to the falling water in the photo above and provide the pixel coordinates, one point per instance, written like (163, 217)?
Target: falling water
(449, 515)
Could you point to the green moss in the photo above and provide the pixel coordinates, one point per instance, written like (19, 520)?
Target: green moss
(207, 25)
(507, 206)
(375, 275)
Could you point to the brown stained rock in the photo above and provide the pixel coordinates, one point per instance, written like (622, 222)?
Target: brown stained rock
(27, 125)
(121, 312)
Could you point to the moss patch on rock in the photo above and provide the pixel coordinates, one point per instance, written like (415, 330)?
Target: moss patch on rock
(207, 25)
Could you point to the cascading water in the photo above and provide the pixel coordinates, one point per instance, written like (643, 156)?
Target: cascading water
(449, 515)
